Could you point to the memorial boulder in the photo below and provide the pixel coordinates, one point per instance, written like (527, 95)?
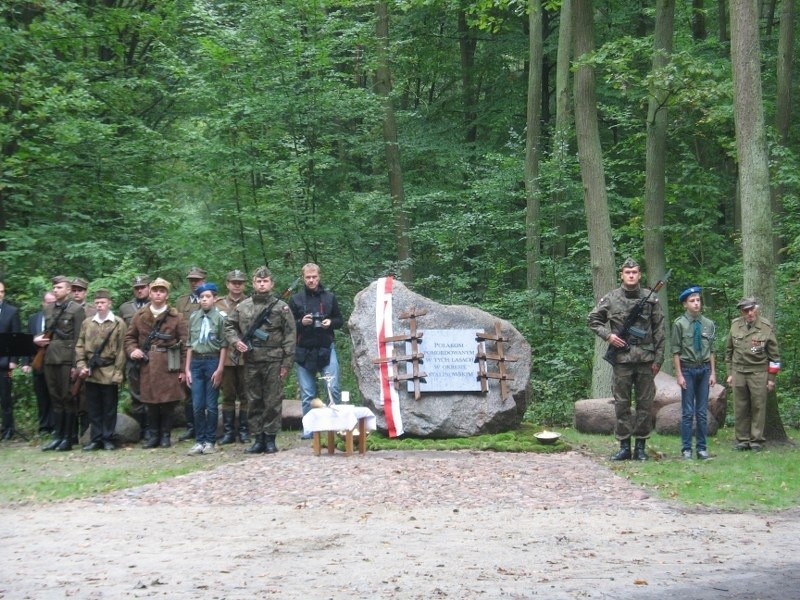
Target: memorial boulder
(429, 373)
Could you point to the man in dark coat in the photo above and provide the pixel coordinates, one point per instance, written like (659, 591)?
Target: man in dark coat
(36, 327)
(9, 323)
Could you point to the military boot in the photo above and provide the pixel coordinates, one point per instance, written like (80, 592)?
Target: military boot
(58, 432)
(228, 435)
(638, 451)
(188, 413)
(259, 445)
(624, 450)
(166, 427)
(244, 430)
(70, 423)
(269, 444)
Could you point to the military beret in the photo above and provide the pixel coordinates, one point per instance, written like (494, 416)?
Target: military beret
(80, 283)
(162, 283)
(207, 287)
(102, 293)
(262, 272)
(196, 273)
(629, 264)
(236, 275)
(60, 279)
(140, 280)
(688, 292)
(747, 303)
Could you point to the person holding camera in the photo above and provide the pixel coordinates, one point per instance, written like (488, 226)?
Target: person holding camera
(317, 316)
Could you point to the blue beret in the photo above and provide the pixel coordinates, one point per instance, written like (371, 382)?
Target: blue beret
(207, 287)
(688, 292)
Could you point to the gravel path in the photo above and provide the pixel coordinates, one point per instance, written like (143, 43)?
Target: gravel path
(395, 525)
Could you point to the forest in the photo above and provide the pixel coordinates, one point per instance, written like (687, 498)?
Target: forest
(505, 154)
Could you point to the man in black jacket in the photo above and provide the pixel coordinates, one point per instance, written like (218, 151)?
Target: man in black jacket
(43, 404)
(317, 316)
(9, 323)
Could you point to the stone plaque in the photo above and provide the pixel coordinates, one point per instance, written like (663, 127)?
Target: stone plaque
(449, 361)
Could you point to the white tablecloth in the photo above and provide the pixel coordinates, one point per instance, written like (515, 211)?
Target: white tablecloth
(342, 418)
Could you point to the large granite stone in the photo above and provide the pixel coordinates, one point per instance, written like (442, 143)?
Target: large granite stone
(440, 414)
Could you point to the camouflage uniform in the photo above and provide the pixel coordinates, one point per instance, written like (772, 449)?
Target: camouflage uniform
(751, 358)
(633, 370)
(263, 384)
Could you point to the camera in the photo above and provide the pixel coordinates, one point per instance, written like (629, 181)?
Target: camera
(317, 318)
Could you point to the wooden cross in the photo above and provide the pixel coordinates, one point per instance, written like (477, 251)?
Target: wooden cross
(416, 357)
(498, 357)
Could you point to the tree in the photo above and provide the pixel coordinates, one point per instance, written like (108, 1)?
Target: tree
(656, 159)
(751, 148)
(383, 88)
(533, 144)
(590, 155)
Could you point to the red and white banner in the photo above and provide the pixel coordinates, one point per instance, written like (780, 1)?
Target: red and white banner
(389, 398)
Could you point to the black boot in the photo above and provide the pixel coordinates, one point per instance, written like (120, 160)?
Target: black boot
(141, 419)
(269, 444)
(624, 450)
(70, 424)
(151, 434)
(228, 435)
(166, 411)
(259, 445)
(638, 451)
(188, 412)
(58, 431)
(244, 430)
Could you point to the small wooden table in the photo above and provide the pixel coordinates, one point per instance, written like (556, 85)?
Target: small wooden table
(340, 418)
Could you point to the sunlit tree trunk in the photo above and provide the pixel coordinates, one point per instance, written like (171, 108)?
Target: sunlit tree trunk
(783, 100)
(751, 147)
(563, 114)
(590, 156)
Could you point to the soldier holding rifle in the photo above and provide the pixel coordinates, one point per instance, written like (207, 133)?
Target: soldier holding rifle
(630, 319)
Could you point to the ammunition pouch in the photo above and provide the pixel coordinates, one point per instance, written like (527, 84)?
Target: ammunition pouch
(174, 358)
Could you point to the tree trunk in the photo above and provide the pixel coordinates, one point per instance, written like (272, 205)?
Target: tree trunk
(751, 147)
(532, 144)
(783, 101)
(590, 156)
(467, 45)
(656, 161)
(383, 87)
(563, 115)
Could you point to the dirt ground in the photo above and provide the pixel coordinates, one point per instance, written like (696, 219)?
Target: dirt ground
(395, 525)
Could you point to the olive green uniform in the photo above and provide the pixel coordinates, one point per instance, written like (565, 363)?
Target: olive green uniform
(748, 355)
(273, 350)
(633, 371)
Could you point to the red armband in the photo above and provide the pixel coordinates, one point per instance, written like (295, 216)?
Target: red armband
(773, 368)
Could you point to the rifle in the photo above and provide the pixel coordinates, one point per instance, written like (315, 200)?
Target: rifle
(94, 362)
(38, 359)
(154, 334)
(628, 330)
(247, 338)
(288, 291)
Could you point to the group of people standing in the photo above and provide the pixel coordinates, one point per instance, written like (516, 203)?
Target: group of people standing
(243, 345)
(751, 359)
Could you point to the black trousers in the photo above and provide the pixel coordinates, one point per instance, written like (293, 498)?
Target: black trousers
(101, 404)
(43, 404)
(6, 401)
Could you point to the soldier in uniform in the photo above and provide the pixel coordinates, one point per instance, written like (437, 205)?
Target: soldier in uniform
(157, 339)
(79, 288)
(64, 319)
(233, 376)
(262, 327)
(752, 362)
(100, 360)
(636, 366)
(141, 298)
(186, 305)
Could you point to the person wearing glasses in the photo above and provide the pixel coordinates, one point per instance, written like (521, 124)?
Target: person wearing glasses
(752, 361)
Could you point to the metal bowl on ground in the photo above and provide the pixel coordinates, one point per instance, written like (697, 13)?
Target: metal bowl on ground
(547, 437)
